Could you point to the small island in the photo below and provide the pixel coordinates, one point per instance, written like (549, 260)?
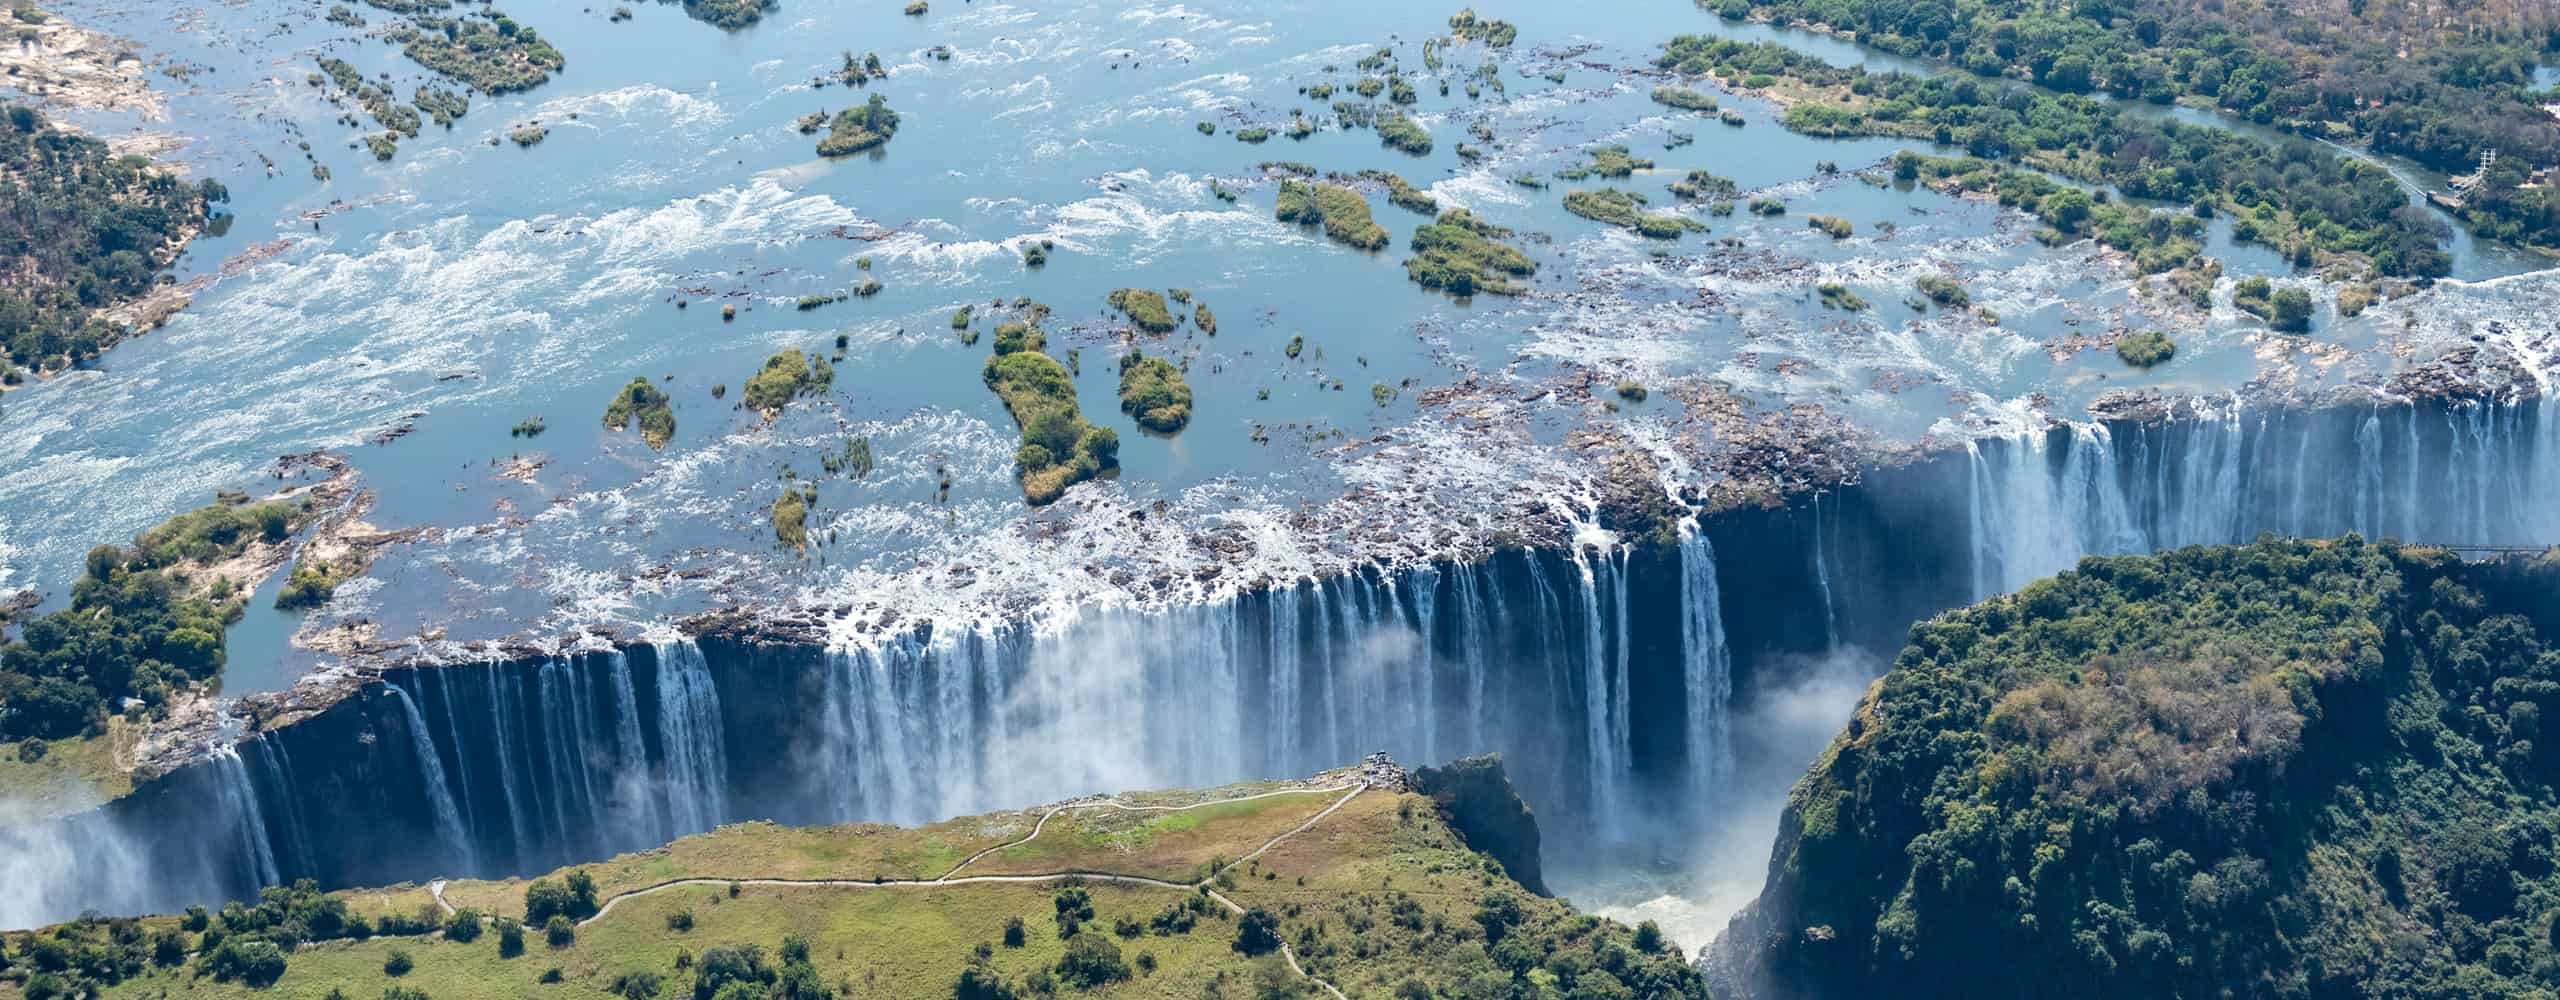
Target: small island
(1152, 390)
(856, 130)
(1145, 308)
(1059, 448)
(787, 376)
(1624, 209)
(647, 405)
(1462, 255)
(1340, 210)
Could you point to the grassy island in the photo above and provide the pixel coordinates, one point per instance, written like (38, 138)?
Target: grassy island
(785, 377)
(791, 515)
(642, 403)
(855, 130)
(1340, 210)
(2291, 768)
(493, 56)
(1463, 255)
(2145, 349)
(1401, 193)
(1145, 308)
(1612, 162)
(1059, 448)
(1397, 131)
(1465, 25)
(88, 230)
(1625, 209)
(1153, 391)
(1684, 99)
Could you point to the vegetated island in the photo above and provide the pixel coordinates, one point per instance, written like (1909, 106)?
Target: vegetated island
(2312, 204)
(1342, 212)
(729, 15)
(786, 376)
(1153, 391)
(86, 234)
(645, 404)
(855, 130)
(1059, 448)
(1462, 255)
(1625, 209)
(1145, 309)
(1365, 881)
(494, 55)
(2442, 84)
(2284, 769)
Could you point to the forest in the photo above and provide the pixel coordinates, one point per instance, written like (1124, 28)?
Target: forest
(83, 229)
(2436, 81)
(2285, 769)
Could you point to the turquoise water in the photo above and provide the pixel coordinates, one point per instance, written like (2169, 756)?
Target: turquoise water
(465, 286)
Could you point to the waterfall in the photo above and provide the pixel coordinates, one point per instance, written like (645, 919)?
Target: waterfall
(240, 798)
(697, 771)
(1706, 667)
(448, 819)
(278, 769)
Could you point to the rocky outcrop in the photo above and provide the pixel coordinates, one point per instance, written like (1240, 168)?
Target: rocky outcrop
(1477, 798)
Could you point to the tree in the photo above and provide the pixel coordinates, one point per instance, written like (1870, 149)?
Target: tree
(1258, 933)
(1091, 961)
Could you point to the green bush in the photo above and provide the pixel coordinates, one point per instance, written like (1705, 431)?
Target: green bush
(2145, 349)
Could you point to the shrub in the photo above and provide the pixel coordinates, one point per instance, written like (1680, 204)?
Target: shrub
(559, 931)
(1943, 290)
(636, 984)
(680, 921)
(510, 939)
(397, 963)
(1013, 935)
(463, 926)
(1831, 225)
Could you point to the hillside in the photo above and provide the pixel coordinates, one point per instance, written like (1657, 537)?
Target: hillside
(2276, 770)
(1347, 884)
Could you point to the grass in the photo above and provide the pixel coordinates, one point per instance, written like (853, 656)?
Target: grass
(1144, 308)
(74, 774)
(1340, 210)
(1175, 846)
(1624, 209)
(1463, 255)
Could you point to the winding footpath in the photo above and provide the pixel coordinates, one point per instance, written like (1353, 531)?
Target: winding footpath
(953, 877)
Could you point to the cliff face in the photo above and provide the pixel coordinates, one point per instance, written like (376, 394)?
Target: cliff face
(1476, 797)
(2288, 769)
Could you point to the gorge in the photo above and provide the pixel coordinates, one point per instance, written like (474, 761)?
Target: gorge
(1607, 673)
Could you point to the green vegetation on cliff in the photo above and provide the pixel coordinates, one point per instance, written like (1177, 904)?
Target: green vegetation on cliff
(1369, 890)
(2286, 769)
(81, 230)
(145, 623)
